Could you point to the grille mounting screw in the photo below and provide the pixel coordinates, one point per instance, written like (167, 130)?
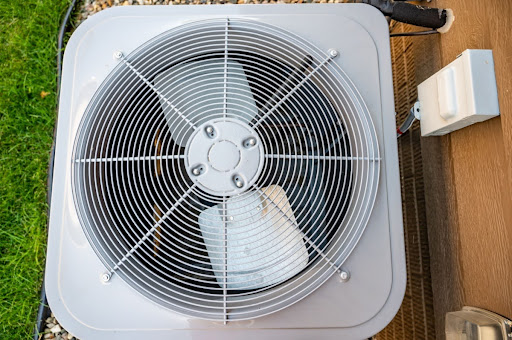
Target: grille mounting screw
(118, 55)
(333, 53)
(344, 275)
(105, 277)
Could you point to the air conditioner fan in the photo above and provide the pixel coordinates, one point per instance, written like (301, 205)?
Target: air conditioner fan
(223, 170)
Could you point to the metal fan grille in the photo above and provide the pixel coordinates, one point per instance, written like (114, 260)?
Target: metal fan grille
(175, 230)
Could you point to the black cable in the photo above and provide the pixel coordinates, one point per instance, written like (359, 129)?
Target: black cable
(408, 34)
(60, 44)
(43, 311)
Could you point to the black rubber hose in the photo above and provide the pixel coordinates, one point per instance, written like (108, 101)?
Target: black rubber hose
(60, 45)
(419, 15)
(43, 311)
(410, 14)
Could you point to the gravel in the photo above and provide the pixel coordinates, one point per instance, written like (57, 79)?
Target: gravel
(54, 330)
(90, 7)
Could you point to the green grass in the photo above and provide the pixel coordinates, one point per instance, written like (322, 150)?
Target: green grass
(28, 31)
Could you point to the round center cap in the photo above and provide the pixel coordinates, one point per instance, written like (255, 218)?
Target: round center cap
(224, 155)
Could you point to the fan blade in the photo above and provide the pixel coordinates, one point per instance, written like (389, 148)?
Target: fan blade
(264, 245)
(203, 90)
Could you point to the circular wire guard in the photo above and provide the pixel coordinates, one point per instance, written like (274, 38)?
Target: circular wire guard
(194, 244)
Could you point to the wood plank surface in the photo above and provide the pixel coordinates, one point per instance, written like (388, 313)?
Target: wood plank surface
(468, 176)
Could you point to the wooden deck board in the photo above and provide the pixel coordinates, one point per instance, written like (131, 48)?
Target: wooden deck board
(469, 177)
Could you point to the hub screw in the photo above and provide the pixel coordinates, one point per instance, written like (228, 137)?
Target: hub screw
(210, 131)
(198, 170)
(250, 142)
(238, 181)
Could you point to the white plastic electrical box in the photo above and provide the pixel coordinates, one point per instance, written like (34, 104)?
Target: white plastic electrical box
(461, 94)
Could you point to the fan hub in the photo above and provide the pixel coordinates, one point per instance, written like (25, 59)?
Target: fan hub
(224, 156)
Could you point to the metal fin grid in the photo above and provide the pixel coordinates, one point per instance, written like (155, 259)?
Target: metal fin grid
(140, 207)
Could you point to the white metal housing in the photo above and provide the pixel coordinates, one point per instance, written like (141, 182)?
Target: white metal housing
(95, 299)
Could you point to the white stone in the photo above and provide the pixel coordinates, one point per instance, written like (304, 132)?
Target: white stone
(56, 329)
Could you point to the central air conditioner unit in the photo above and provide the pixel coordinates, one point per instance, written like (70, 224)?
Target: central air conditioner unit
(227, 172)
